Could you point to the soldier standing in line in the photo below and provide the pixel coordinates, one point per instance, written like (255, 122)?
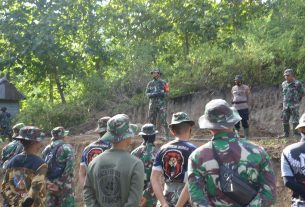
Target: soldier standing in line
(292, 91)
(24, 180)
(240, 101)
(225, 149)
(13, 148)
(171, 162)
(115, 178)
(292, 167)
(95, 148)
(157, 91)
(147, 152)
(60, 158)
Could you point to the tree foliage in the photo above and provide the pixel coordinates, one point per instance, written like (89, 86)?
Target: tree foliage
(99, 53)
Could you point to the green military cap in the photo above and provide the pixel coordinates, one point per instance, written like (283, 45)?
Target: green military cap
(30, 133)
(238, 78)
(218, 115)
(148, 129)
(157, 70)
(16, 128)
(301, 122)
(119, 129)
(102, 124)
(288, 72)
(180, 117)
(59, 132)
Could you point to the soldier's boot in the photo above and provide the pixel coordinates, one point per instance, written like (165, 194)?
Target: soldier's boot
(246, 133)
(295, 131)
(286, 131)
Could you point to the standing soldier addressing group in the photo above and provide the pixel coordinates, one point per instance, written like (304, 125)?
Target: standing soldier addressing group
(60, 159)
(24, 181)
(292, 91)
(5, 124)
(292, 167)
(228, 171)
(171, 162)
(157, 91)
(147, 152)
(241, 94)
(94, 149)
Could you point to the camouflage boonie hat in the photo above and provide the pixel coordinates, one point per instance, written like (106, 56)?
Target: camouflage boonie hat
(301, 122)
(181, 117)
(102, 124)
(59, 132)
(17, 127)
(30, 133)
(288, 72)
(218, 115)
(156, 70)
(238, 78)
(119, 129)
(148, 129)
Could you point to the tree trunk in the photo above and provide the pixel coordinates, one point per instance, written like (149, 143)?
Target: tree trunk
(51, 92)
(59, 88)
(186, 45)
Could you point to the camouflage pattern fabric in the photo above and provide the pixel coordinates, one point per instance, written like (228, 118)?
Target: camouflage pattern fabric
(10, 150)
(252, 162)
(25, 178)
(65, 196)
(5, 124)
(157, 103)
(292, 96)
(92, 150)
(147, 153)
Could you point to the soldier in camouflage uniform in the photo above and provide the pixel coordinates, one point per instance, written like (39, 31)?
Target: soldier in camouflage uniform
(94, 149)
(60, 189)
(249, 161)
(147, 152)
(5, 124)
(292, 91)
(24, 180)
(157, 92)
(171, 162)
(13, 148)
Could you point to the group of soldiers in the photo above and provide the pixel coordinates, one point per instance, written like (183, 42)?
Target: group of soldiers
(226, 171)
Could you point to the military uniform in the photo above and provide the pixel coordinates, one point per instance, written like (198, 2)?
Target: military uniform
(13, 148)
(65, 156)
(292, 95)
(157, 91)
(5, 123)
(24, 178)
(252, 162)
(147, 152)
(93, 150)
(115, 178)
(97, 147)
(172, 160)
(249, 161)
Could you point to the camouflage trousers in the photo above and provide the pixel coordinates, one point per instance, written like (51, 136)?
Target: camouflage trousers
(172, 193)
(158, 111)
(60, 200)
(290, 113)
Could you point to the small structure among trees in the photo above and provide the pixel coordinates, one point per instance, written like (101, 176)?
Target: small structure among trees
(10, 97)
